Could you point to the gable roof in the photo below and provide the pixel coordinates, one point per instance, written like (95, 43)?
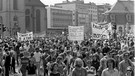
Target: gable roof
(34, 3)
(122, 7)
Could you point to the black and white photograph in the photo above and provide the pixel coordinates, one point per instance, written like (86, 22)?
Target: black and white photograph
(67, 38)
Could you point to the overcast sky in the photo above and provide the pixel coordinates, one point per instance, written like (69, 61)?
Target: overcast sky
(52, 2)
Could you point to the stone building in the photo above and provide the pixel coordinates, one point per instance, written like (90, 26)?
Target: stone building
(22, 16)
(122, 13)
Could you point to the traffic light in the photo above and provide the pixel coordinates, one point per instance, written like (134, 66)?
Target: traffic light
(3, 28)
(0, 26)
(114, 26)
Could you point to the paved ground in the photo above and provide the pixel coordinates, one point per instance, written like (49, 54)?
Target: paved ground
(17, 70)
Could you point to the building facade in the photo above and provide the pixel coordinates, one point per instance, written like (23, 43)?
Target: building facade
(12, 16)
(58, 18)
(35, 16)
(83, 13)
(22, 16)
(101, 10)
(122, 13)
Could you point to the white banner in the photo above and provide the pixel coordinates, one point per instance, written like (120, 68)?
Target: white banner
(100, 31)
(76, 33)
(25, 36)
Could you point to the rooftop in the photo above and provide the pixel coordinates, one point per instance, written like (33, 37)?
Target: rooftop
(122, 7)
(76, 2)
(34, 3)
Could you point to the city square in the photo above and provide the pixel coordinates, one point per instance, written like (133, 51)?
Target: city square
(67, 38)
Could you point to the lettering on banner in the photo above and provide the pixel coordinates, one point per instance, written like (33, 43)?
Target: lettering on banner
(25, 36)
(99, 31)
(99, 36)
(98, 27)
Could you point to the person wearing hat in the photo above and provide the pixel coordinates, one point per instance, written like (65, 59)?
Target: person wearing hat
(124, 64)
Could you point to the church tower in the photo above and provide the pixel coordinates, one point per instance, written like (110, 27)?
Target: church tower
(12, 16)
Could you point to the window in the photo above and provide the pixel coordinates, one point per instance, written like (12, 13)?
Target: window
(38, 20)
(15, 4)
(27, 19)
(1, 4)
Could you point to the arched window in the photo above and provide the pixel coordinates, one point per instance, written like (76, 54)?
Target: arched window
(38, 20)
(27, 19)
(1, 4)
(1, 20)
(15, 4)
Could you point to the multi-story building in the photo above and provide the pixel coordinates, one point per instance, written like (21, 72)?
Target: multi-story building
(83, 13)
(93, 12)
(101, 10)
(122, 14)
(22, 16)
(58, 19)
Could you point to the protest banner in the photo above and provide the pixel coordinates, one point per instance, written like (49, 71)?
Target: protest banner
(100, 31)
(25, 36)
(76, 33)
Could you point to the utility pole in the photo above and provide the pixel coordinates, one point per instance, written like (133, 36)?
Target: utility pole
(114, 28)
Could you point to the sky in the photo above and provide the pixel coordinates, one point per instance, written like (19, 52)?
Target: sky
(52, 2)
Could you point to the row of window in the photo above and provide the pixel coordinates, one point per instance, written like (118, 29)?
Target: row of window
(62, 16)
(61, 11)
(59, 19)
(83, 7)
(65, 14)
(60, 25)
(15, 4)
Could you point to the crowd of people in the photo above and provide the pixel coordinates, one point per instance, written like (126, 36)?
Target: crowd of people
(61, 57)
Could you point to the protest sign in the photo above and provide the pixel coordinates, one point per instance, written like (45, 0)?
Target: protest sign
(25, 36)
(76, 33)
(99, 31)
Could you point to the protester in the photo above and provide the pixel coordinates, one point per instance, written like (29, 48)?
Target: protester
(124, 64)
(54, 70)
(79, 70)
(37, 56)
(110, 70)
(31, 69)
(72, 57)
(24, 63)
(7, 63)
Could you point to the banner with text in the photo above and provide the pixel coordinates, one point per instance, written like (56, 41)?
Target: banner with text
(25, 36)
(99, 31)
(76, 33)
